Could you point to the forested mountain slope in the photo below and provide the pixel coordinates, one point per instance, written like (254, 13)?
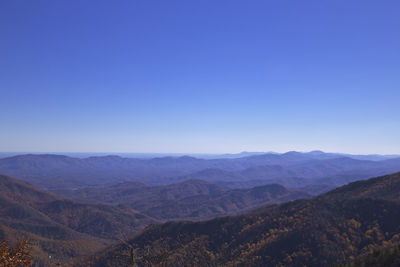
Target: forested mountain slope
(191, 199)
(58, 227)
(333, 228)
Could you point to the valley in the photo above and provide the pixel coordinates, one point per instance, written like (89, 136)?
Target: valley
(246, 211)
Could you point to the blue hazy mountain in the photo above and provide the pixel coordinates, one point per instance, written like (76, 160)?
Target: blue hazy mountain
(291, 169)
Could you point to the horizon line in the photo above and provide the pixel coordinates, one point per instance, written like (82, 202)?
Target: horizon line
(192, 153)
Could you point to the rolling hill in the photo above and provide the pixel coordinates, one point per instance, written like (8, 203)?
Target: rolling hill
(59, 172)
(191, 199)
(330, 172)
(333, 228)
(59, 227)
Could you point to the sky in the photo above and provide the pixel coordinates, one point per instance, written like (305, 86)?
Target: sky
(218, 76)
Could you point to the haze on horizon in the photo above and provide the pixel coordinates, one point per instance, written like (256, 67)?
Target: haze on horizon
(200, 77)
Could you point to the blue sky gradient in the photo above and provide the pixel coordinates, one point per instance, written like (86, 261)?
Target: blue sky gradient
(200, 76)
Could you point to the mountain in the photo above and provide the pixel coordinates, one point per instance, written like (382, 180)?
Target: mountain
(334, 228)
(194, 199)
(332, 172)
(60, 172)
(384, 188)
(57, 171)
(59, 227)
(139, 195)
(230, 202)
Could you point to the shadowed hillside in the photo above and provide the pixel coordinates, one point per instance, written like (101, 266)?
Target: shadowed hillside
(192, 199)
(58, 227)
(386, 257)
(336, 227)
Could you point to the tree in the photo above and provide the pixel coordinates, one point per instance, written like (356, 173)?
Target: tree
(15, 256)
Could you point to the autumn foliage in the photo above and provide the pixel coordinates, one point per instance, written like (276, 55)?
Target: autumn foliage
(15, 256)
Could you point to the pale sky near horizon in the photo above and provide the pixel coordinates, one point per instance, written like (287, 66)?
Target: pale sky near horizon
(200, 76)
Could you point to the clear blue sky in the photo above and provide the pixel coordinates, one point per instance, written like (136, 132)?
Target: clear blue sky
(199, 76)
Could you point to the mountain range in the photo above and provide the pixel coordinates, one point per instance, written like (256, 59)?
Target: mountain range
(191, 199)
(338, 227)
(62, 228)
(291, 169)
(278, 209)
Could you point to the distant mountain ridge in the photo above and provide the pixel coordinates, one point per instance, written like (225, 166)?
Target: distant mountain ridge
(334, 172)
(57, 171)
(373, 157)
